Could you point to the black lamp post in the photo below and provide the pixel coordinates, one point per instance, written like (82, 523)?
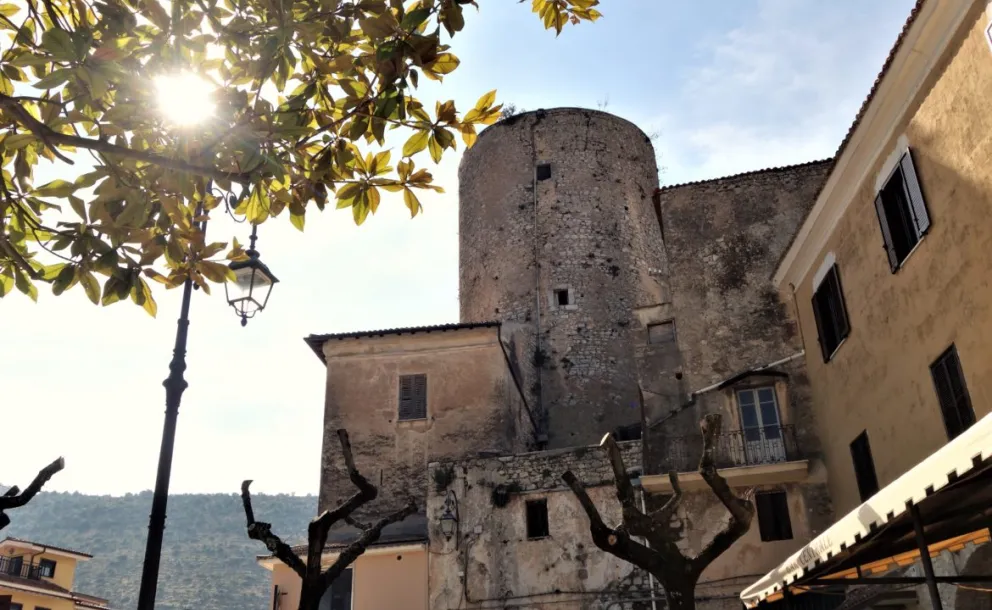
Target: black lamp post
(253, 278)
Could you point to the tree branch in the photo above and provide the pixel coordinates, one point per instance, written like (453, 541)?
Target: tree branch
(263, 532)
(356, 548)
(53, 138)
(615, 542)
(8, 501)
(741, 510)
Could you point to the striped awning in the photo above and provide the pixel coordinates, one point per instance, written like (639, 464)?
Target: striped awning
(952, 489)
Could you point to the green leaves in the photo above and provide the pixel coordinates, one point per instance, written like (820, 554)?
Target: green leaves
(352, 70)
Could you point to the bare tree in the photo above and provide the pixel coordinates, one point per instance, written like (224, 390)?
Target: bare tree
(677, 573)
(15, 498)
(315, 580)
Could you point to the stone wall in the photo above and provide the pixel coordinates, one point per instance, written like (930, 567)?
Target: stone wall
(589, 230)
(473, 406)
(491, 560)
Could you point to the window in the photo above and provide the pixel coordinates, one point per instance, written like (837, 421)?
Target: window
(537, 519)
(338, 595)
(543, 171)
(830, 313)
(413, 397)
(763, 442)
(15, 565)
(562, 297)
(902, 212)
(663, 332)
(864, 466)
(47, 567)
(773, 516)
(15, 606)
(955, 403)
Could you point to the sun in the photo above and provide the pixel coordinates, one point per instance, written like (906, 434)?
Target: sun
(184, 98)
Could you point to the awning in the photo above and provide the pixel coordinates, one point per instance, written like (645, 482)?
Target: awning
(951, 491)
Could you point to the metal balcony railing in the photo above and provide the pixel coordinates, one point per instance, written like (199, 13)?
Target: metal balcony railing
(748, 447)
(16, 566)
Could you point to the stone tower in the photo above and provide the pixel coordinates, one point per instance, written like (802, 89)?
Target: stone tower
(560, 241)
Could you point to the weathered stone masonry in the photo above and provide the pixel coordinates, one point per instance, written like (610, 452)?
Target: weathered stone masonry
(589, 230)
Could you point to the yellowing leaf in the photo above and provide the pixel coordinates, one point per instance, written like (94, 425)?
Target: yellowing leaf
(9, 10)
(444, 64)
(486, 100)
(435, 148)
(468, 134)
(90, 285)
(411, 202)
(416, 143)
(55, 188)
(298, 220)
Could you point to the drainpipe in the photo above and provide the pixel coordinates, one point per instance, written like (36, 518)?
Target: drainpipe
(537, 279)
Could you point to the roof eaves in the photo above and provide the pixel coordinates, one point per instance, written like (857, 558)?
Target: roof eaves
(50, 547)
(316, 342)
(767, 170)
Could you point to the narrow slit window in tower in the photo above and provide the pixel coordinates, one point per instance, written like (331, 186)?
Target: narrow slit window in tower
(543, 171)
(561, 297)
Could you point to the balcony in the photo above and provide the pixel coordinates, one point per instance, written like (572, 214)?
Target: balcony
(16, 566)
(755, 456)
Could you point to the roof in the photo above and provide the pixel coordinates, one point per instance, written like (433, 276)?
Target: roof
(316, 342)
(89, 601)
(951, 490)
(29, 583)
(50, 547)
(413, 529)
(767, 170)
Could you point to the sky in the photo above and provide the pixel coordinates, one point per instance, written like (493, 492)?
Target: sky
(722, 86)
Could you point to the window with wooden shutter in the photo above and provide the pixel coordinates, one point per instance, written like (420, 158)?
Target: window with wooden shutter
(830, 313)
(864, 466)
(774, 522)
(902, 212)
(413, 397)
(952, 393)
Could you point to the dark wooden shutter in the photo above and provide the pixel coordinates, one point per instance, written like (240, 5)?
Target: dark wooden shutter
(952, 393)
(413, 397)
(917, 205)
(838, 307)
(820, 315)
(883, 222)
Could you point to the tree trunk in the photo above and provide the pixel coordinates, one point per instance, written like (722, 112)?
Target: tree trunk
(682, 597)
(309, 597)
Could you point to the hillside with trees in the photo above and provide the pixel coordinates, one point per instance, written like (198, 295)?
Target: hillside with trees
(208, 562)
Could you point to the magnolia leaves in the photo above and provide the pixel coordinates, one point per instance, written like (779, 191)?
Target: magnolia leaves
(556, 13)
(439, 135)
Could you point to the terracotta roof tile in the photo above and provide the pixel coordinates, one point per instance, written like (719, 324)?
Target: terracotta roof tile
(44, 585)
(47, 546)
(780, 168)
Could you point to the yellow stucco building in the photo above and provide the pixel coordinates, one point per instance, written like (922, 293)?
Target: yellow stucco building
(37, 576)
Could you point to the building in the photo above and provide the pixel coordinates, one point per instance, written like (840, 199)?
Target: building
(591, 301)
(39, 576)
(887, 279)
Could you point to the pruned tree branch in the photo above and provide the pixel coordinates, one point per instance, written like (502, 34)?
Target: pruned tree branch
(741, 510)
(617, 542)
(53, 138)
(263, 532)
(315, 580)
(14, 498)
(369, 536)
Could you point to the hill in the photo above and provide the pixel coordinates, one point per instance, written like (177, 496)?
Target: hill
(208, 562)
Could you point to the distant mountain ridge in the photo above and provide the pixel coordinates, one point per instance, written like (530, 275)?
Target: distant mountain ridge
(208, 562)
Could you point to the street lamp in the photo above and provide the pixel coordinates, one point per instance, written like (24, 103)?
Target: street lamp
(252, 284)
(449, 518)
(259, 279)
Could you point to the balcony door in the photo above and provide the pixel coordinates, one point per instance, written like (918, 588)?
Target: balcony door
(762, 429)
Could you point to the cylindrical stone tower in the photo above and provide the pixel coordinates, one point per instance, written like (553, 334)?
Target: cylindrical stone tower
(559, 240)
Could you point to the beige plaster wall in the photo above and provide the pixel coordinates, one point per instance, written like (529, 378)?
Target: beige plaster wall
(473, 405)
(381, 581)
(879, 378)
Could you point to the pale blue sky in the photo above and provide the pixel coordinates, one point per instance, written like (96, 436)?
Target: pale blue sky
(727, 86)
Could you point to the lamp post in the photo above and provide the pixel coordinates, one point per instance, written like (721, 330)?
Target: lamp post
(253, 281)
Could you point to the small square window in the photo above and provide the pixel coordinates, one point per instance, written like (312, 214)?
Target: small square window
(537, 519)
(47, 568)
(773, 516)
(663, 332)
(543, 171)
(562, 297)
(413, 397)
